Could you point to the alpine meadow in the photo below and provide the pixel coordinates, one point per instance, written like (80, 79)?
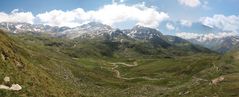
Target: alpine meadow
(119, 48)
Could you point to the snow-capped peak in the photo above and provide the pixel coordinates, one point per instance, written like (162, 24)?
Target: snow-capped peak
(95, 26)
(18, 27)
(90, 30)
(141, 32)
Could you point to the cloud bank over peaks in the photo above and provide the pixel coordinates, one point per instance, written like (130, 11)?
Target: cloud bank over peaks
(186, 23)
(16, 16)
(170, 26)
(226, 23)
(221, 26)
(205, 37)
(108, 14)
(116, 13)
(71, 18)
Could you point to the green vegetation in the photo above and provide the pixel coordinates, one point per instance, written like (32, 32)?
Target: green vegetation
(57, 67)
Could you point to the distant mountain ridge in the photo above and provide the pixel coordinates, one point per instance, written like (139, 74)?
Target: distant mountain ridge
(198, 33)
(61, 67)
(221, 44)
(90, 30)
(98, 30)
(26, 27)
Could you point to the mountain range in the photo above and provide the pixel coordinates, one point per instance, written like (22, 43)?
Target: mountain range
(96, 60)
(95, 29)
(213, 38)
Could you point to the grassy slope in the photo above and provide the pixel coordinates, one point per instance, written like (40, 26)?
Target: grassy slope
(231, 73)
(58, 67)
(31, 76)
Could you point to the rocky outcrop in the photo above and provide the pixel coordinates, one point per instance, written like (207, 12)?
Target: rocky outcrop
(217, 80)
(3, 57)
(19, 64)
(8, 86)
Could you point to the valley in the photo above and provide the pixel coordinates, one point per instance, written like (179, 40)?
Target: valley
(61, 67)
(119, 48)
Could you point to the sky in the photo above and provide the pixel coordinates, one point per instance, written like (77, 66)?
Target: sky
(174, 15)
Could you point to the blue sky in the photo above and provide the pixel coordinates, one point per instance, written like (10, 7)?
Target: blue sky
(39, 6)
(218, 14)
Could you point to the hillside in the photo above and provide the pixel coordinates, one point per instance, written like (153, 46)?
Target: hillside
(61, 67)
(119, 48)
(17, 63)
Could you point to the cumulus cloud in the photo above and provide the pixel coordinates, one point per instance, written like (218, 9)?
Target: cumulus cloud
(226, 23)
(190, 3)
(186, 23)
(188, 35)
(143, 15)
(108, 14)
(205, 37)
(64, 18)
(16, 16)
(170, 26)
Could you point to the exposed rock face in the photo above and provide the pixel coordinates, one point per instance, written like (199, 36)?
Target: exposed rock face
(3, 57)
(14, 87)
(18, 64)
(6, 79)
(4, 87)
(217, 80)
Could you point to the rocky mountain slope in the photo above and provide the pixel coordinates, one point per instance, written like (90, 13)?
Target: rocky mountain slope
(26, 27)
(95, 29)
(136, 62)
(222, 44)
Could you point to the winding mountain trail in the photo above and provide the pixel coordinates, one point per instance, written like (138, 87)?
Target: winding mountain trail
(118, 75)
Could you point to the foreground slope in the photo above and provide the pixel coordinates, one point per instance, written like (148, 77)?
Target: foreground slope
(34, 80)
(48, 66)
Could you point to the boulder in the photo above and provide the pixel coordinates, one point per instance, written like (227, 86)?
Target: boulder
(15, 87)
(6, 79)
(3, 57)
(217, 80)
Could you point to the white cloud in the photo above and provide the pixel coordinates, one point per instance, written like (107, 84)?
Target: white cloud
(226, 23)
(188, 35)
(121, 1)
(205, 37)
(108, 14)
(190, 3)
(16, 16)
(144, 16)
(60, 18)
(170, 26)
(186, 23)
